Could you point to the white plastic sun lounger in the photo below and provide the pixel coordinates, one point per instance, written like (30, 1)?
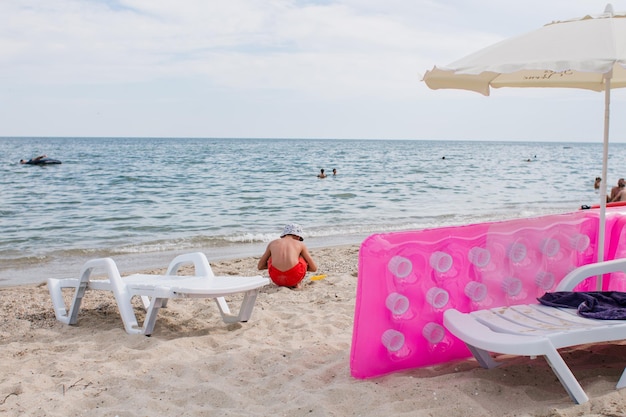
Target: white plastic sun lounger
(534, 330)
(156, 290)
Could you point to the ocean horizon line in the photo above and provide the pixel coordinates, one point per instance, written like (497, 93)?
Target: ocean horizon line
(539, 141)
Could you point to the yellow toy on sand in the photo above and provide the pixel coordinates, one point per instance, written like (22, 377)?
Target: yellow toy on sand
(318, 277)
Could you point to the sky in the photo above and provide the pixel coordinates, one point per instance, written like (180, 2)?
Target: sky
(344, 69)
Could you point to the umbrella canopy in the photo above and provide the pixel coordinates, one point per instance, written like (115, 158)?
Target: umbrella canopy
(587, 52)
(576, 53)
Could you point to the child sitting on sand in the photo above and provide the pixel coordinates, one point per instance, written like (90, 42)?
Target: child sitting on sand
(287, 258)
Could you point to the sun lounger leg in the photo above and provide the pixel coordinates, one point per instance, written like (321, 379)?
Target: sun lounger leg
(125, 306)
(223, 306)
(483, 357)
(566, 377)
(622, 380)
(247, 305)
(78, 298)
(55, 287)
(146, 301)
(151, 315)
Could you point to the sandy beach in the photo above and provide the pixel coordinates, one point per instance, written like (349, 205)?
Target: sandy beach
(290, 359)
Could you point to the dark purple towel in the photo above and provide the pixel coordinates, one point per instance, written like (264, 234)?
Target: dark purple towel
(607, 305)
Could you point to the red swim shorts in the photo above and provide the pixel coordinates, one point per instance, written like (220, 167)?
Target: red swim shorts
(289, 278)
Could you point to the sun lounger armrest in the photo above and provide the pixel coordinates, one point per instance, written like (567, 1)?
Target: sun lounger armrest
(578, 275)
(199, 261)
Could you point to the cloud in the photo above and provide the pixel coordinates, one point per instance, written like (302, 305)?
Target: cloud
(359, 58)
(327, 48)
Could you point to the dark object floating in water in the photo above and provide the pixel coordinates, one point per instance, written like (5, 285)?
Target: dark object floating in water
(42, 161)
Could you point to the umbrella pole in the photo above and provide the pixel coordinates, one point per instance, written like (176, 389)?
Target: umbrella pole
(605, 157)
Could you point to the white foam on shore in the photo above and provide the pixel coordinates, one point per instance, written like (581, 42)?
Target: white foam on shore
(70, 266)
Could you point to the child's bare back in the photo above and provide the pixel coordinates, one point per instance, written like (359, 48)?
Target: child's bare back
(287, 258)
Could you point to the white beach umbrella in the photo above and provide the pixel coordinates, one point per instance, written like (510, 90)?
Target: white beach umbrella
(587, 52)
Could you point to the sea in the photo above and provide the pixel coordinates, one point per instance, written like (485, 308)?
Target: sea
(142, 201)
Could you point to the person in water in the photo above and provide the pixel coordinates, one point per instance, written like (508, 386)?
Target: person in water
(287, 259)
(596, 184)
(321, 174)
(33, 160)
(615, 191)
(334, 171)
